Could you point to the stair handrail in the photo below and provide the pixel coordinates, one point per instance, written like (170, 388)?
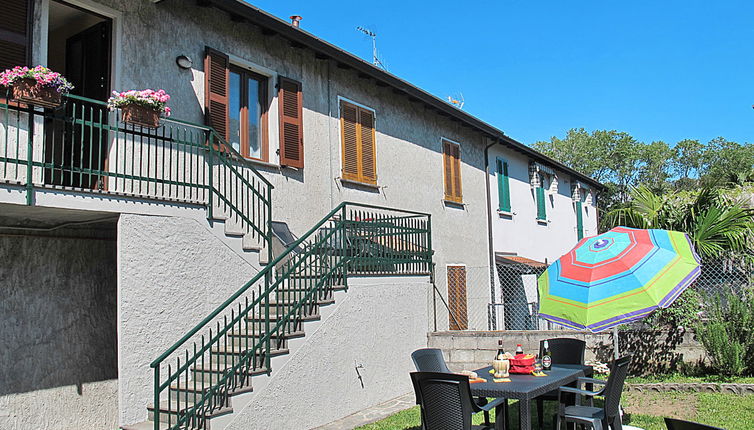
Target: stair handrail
(268, 270)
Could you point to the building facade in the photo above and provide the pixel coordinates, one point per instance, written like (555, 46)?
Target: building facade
(142, 233)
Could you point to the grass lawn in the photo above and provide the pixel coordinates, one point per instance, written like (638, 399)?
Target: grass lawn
(644, 410)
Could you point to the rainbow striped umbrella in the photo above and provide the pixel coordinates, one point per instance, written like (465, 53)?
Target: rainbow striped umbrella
(617, 277)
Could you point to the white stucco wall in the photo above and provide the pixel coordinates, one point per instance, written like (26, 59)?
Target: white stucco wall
(376, 324)
(522, 233)
(172, 272)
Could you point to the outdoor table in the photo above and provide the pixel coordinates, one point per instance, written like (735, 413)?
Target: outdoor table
(524, 388)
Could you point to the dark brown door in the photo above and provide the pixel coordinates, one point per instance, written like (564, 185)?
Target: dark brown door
(458, 317)
(79, 153)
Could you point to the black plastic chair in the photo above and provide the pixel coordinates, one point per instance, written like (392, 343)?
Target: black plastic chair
(563, 350)
(602, 418)
(446, 401)
(431, 360)
(674, 424)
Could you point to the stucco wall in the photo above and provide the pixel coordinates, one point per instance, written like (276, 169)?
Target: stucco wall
(376, 325)
(521, 233)
(58, 331)
(172, 272)
(409, 149)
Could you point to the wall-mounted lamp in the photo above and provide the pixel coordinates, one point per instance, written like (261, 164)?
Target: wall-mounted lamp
(183, 62)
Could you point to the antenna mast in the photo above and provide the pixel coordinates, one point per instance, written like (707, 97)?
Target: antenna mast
(375, 58)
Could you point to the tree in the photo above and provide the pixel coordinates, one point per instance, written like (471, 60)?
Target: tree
(726, 161)
(688, 159)
(718, 225)
(656, 165)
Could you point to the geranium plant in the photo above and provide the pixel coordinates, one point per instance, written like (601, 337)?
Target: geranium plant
(150, 99)
(42, 75)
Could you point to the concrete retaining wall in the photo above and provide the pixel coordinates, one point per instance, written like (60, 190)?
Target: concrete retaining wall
(653, 351)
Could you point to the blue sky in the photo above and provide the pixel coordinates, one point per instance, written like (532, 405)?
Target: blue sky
(659, 70)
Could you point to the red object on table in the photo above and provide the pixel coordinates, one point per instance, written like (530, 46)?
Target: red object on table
(522, 365)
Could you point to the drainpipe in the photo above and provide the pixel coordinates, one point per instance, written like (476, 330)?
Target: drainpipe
(492, 314)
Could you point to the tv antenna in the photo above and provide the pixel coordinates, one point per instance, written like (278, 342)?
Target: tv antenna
(457, 101)
(375, 58)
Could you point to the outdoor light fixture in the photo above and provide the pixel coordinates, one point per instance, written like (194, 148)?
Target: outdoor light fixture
(183, 62)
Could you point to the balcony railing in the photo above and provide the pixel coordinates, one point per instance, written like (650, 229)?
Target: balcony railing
(82, 146)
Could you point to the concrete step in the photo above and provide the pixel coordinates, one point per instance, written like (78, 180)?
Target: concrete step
(145, 425)
(169, 412)
(214, 371)
(193, 390)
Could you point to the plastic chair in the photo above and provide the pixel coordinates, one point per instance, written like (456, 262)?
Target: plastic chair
(446, 402)
(431, 360)
(563, 350)
(674, 424)
(597, 418)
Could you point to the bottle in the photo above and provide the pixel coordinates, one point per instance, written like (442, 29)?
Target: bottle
(519, 349)
(546, 357)
(500, 351)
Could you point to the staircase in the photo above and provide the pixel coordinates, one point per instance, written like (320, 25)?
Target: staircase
(195, 379)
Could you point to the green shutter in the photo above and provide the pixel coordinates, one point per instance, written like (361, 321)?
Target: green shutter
(579, 221)
(503, 187)
(541, 209)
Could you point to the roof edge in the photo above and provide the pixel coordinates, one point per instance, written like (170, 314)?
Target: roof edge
(255, 15)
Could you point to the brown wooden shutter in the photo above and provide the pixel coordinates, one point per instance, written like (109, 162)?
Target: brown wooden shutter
(458, 318)
(368, 159)
(349, 116)
(216, 89)
(15, 34)
(456, 154)
(451, 159)
(291, 123)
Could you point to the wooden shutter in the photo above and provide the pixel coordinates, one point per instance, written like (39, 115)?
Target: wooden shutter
(503, 186)
(358, 144)
(349, 118)
(541, 208)
(452, 171)
(15, 34)
(291, 123)
(458, 318)
(366, 135)
(216, 90)
(579, 220)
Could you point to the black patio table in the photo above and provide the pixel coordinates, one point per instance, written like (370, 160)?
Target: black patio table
(524, 388)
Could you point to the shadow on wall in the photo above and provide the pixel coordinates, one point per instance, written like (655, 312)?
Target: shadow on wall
(58, 315)
(654, 352)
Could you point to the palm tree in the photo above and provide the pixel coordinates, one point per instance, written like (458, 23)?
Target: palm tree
(718, 225)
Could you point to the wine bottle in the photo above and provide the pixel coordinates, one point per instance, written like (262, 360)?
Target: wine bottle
(500, 351)
(546, 357)
(519, 349)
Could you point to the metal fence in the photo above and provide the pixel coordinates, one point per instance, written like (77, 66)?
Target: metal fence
(507, 298)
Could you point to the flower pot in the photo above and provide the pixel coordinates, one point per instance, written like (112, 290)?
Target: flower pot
(140, 115)
(29, 91)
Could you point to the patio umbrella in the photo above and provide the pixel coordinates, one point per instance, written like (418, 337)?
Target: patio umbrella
(617, 277)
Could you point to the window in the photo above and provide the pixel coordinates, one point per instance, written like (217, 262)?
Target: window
(458, 317)
(247, 113)
(540, 191)
(236, 106)
(503, 186)
(451, 160)
(579, 220)
(358, 143)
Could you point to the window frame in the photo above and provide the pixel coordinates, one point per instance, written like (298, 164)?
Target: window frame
(263, 80)
(456, 195)
(359, 177)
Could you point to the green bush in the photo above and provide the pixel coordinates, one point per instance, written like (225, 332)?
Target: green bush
(728, 334)
(683, 313)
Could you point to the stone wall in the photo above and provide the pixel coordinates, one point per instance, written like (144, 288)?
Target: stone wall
(58, 332)
(653, 351)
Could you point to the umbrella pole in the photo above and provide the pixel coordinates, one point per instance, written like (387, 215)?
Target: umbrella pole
(615, 342)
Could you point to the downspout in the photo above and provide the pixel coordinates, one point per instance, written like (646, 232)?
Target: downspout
(491, 314)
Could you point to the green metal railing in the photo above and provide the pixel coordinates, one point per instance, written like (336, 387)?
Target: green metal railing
(195, 376)
(83, 146)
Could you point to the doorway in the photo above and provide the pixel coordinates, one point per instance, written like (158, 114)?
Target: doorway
(79, 46)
